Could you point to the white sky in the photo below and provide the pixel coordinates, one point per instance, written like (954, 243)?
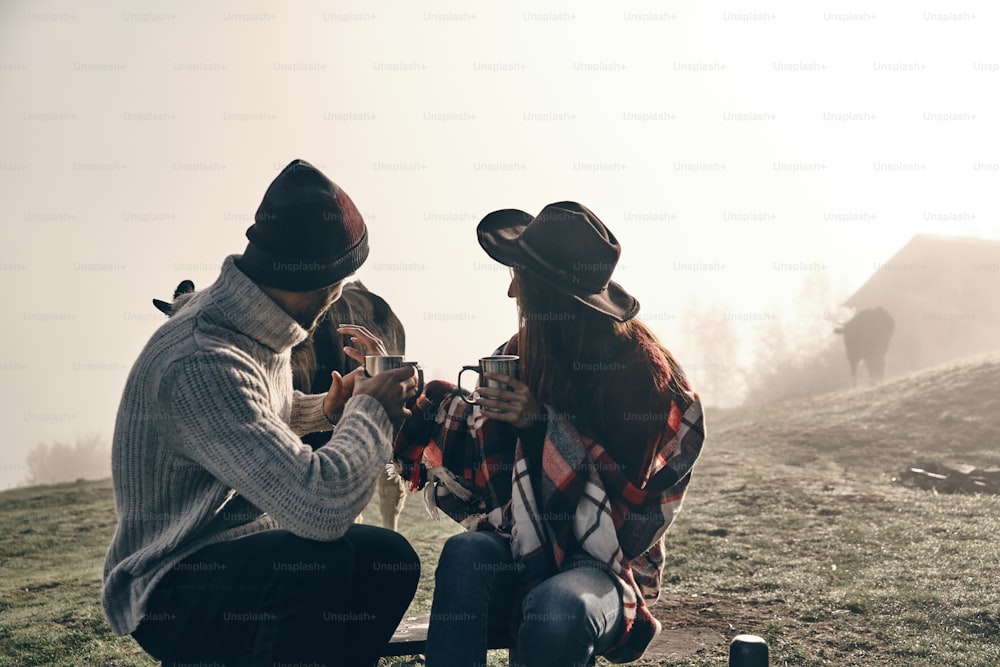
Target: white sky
(136, 140)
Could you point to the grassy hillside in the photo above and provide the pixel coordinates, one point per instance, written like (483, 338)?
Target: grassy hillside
(793, 529)
(52, 545)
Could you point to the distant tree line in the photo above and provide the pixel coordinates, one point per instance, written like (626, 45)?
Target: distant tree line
(52, 463)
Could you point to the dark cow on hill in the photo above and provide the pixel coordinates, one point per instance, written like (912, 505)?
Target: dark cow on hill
(318, 356)
(866, 338)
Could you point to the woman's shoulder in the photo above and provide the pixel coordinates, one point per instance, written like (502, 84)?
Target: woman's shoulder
(649, 366)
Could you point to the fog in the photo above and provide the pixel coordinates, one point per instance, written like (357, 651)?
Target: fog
(756, 164)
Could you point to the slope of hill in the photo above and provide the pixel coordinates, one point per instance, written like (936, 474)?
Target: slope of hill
(951, 411)
(792, 529)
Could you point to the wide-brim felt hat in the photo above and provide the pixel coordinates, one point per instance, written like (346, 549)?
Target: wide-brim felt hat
(565, 245)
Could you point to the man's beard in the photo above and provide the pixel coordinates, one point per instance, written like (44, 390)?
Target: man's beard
(309, 315)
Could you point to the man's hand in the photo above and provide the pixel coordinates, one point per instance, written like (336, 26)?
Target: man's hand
(341, 389)
(391, 388)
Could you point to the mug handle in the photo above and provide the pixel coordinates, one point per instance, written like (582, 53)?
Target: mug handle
(459, 382)
(420, 382)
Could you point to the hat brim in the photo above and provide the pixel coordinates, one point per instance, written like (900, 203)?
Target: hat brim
(498, 235)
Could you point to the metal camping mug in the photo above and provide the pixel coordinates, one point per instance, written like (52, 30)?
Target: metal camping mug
(503, 364)
(377, 363)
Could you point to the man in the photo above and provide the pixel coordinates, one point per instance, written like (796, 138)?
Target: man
(235, 543)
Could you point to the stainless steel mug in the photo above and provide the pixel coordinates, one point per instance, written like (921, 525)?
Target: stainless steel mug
(377, 363)
(503, 364)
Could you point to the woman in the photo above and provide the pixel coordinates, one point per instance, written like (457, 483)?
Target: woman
(600, 431)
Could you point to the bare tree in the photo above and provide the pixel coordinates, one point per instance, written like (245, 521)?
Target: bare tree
(798, 354)
(710, 354)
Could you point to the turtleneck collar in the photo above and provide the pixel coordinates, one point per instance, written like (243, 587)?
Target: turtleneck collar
(246, 308)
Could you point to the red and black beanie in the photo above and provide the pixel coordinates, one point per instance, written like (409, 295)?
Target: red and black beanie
(307, 233)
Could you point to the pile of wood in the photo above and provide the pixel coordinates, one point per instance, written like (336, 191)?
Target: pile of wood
(952, 478)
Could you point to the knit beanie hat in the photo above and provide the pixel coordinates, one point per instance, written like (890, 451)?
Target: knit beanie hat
(307, 233)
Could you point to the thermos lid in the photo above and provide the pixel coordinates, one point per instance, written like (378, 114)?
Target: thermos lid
(748, 651)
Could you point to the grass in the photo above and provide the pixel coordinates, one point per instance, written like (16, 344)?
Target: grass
(793, 529)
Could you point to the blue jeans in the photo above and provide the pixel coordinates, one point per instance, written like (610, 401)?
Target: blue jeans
(566, 620)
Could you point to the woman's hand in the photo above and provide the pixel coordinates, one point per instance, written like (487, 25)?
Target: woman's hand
(515, 405)
(365, 343)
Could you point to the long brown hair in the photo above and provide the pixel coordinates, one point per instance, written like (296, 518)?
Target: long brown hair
(570, 351)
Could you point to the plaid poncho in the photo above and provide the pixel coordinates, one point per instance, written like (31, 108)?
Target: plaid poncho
(585, 501)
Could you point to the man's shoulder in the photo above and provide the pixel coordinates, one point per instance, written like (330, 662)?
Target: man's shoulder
(190, 340)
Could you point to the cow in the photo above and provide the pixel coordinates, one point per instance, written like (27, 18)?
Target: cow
(866, 338)
(318, 356)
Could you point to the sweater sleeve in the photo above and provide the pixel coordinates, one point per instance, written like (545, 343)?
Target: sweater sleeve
(221, 418)
(307, 414)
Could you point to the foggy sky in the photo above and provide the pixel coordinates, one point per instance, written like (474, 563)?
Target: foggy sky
(734, 150)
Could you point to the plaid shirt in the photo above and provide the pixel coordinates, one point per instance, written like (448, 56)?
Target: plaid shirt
(585, 501)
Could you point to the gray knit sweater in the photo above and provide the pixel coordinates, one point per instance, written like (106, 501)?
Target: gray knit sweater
(206, 442)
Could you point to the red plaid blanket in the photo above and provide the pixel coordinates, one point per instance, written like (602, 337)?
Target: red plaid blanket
(446, 431)
(585, 501)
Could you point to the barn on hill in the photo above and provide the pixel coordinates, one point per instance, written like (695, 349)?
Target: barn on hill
(944, 294)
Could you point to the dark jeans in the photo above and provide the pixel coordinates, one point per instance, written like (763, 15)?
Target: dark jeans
(567, 620)
(273, 598)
